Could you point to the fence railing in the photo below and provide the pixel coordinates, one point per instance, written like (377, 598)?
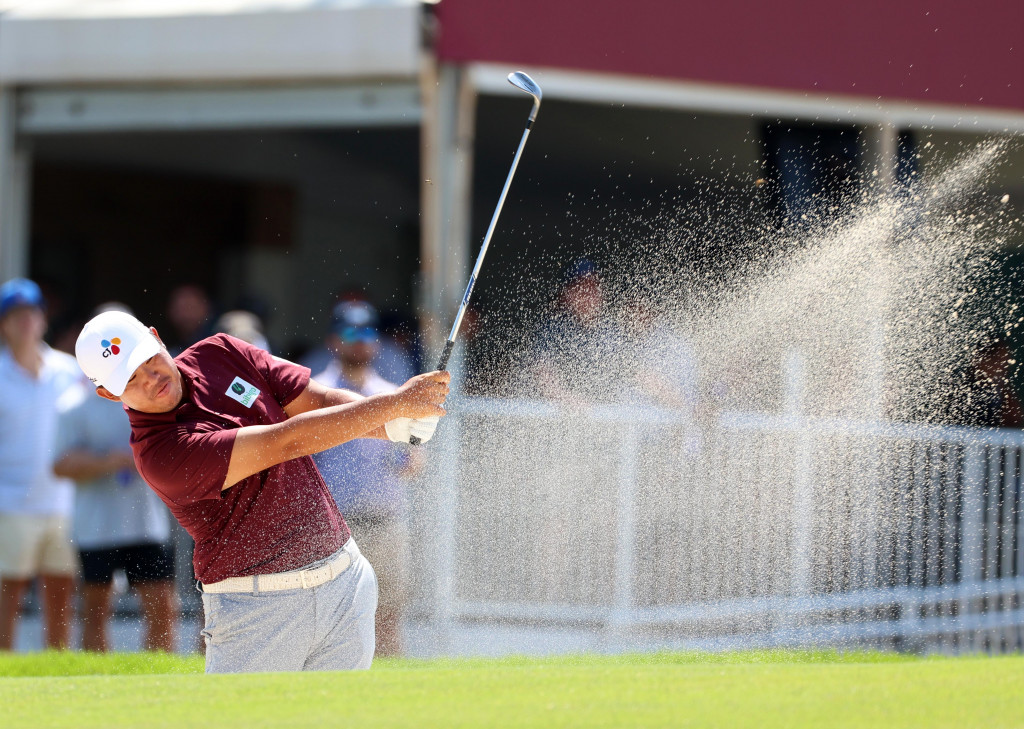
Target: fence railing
(749, 530)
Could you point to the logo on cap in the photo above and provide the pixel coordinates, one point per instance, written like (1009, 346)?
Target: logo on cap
(110, 346)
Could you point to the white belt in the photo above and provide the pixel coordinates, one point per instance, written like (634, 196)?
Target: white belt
(284, 580)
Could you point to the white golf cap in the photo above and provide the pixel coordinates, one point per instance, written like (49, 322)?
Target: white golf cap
(111, 347)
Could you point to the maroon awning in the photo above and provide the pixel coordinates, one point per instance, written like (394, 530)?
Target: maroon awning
(939, 51)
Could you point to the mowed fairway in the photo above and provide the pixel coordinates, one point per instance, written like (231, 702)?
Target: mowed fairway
(776, 689)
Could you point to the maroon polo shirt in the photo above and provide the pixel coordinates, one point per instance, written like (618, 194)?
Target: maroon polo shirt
(276, 520)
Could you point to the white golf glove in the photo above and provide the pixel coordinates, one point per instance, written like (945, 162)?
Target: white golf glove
(423, 428)
(400, 430)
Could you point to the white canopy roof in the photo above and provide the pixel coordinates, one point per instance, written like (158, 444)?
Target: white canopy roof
(72, 41)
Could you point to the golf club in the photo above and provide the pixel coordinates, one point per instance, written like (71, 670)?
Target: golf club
(521, 81)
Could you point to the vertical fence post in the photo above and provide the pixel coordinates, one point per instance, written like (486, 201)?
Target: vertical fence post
(910, 610)
(950, 544)
(1006, 539)
(621, 618)
(803, 485)
(15, 184)
(972, 531)
(1018, 569)
(447, 480)
(933, 535)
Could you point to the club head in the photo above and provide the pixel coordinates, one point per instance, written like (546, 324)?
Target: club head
(521, 81)
(524, 82)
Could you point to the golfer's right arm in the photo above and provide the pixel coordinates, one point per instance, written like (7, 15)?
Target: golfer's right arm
(258, 447)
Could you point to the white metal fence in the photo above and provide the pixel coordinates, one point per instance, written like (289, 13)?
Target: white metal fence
(750, 530)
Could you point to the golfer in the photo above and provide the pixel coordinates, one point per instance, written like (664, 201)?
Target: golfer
(223, 434)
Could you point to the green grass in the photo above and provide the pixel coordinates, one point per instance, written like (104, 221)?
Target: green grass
(75, 663)
(762, 689)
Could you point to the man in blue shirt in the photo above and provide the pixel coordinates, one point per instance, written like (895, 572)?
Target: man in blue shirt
(366, 477)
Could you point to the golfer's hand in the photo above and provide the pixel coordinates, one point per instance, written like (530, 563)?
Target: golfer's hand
(423, 396)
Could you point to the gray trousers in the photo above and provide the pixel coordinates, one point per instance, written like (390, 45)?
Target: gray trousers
(323, 628)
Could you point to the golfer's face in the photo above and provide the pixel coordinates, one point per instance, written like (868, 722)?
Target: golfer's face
(155, 387)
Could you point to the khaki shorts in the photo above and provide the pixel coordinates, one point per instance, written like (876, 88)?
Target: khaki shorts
(382, 541)
(36, 544)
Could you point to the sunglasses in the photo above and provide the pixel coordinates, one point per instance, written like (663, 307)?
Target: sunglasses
(358, 334)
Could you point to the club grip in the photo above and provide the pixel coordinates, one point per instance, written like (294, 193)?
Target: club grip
(442, 364)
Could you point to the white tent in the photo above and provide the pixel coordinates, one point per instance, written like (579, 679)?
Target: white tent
(106, 65)
(82, 41)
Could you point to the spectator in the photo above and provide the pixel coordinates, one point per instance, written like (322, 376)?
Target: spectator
(392, 360)
(318, 358)
(577, 349)
(190, 314)
(119, 523)
(243, 325)
(659, 368)
(662, 361)
(397, 348)
(993, 401)
(35, 504)
(371, 495)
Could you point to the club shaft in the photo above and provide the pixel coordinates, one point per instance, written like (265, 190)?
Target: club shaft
(449, 345)
(443, 363)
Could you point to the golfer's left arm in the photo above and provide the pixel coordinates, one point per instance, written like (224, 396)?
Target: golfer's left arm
(317, 396)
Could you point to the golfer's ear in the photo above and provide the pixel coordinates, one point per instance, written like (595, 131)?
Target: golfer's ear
(157, 335)
(107, 394)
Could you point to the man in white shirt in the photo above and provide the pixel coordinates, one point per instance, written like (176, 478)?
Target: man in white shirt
(35, 505)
